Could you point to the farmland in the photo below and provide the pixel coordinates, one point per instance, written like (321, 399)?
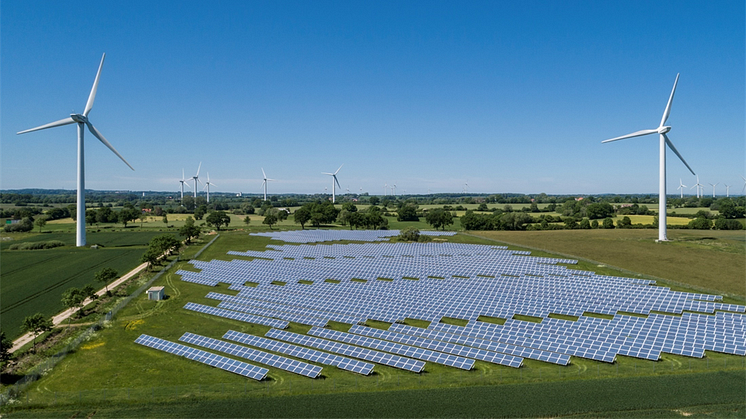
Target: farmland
(109, 373)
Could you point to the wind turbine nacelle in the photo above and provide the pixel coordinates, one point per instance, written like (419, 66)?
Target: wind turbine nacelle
(663, 130)
(78, 118)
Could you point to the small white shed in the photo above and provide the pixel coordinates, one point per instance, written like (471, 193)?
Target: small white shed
(156, 293)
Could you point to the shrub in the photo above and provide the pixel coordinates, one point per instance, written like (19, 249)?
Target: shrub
(36, 245)
(409, 234)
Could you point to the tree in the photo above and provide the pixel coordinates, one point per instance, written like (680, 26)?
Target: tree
(150, 257)
(188, 203)
(40, 222)
(165, 219)
(409, 234)
(624, 222)
(5, 346)
(344, 218)
(301, 216)
(72, 299)
(349, 207)
(126, 215)
(247, 220)
(200, 212)
(594, 224)
(407, 212)
(270, 219)
(189, 230)
(105, 276)
(700, 223)
(89, 292)
(36, 325)
(374, 200)
(585, 224)
(608, 223)
(439, 218)
(217, 219)
(163, 244)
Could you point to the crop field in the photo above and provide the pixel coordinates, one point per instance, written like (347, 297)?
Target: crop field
(710, 260)
(111, 376)
(34, 280)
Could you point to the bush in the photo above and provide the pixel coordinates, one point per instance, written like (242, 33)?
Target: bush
(36, 245)
(725, 224)
(700, 223)
(409, 234)
(25, 225)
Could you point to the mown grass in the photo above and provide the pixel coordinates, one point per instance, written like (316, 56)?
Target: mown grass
(710, 260)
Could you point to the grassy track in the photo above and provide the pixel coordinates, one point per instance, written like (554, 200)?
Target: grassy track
(713, 260)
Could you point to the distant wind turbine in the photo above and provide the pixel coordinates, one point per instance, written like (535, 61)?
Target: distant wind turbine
(183, 182)
(207, 187)
(681, 188)
(386, 188)
(744, 184)
(196, 179)
(264, 183)
(699, 187)
(334, 181)
(727, 191)
(713, 188)
(661, 131)
(82, 120)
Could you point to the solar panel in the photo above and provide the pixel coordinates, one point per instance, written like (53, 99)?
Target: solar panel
(229, 314)
(348, 350)
(217, 361)
(300, 352)
(272, 360)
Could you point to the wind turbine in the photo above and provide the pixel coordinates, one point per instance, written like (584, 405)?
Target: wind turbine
(264, 183)
(713, 188)
(207, 186)
(393, 188)
(196, 179)
(386, 188)
(82, 120)
(183, 182)
(661, 131)
(727, 191)
(744, 183)
(681, 188)
(334, 181)
(699, 187)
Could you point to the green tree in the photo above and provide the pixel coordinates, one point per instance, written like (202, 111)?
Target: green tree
(188, 203)
(700, 223)
(72, 299)
(409, 234)
(217, 219)
(270, 219)
(165, 219)
(247, 220)
(374, 200)
(189, 230)
(439, 218)
(150, 257)
(594, 224)
(36, 325)
(407, 212)
(105, 276)
(301, 216)
(40, 222)
(586, 224)
(5, 346)
(200, 212)
(163, 244)
(126, 215)
(608, 223)
(624, 222)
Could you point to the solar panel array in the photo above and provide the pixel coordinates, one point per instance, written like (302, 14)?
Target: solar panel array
(430, 281)
(315, 236)
(348, 350)
(300, 352)
(217, 361)
(272, 360)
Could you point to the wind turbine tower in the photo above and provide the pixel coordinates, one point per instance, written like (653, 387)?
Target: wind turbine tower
(207, 186)
(335, 183)
(699, 188)
(82, 121)
(713, 188)
(196, 179)
(663, 141)
(183, 182)
(264, 183)
(681, 188)
(727, 191)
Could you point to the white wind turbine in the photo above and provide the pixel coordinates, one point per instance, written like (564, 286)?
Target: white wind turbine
(744, 184)
(183, 182)
(386, 188)
(207, 187)
(196, 179)
(681, 188)
(713, 188)
(264, 183)
(699, 187)
(661, 131)
(82, 120)
(727, 191)
(334, 181)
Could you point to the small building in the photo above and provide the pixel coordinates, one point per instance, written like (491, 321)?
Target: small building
(156, 293)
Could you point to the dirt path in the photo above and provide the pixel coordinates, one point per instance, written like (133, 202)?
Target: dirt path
(56, 320)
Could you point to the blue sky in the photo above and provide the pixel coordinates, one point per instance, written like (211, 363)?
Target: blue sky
(507, 96)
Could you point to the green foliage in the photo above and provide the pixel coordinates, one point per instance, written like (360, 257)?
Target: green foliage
(608, 223)
(247, 220)
(439, 218)
(188, 203)
(217, 219)
(349, 207)
(409, 234)
(36, 325)
(407, 212)
(200, 212)
(725, 224)
(36, 245)
(26, 224)
(625, 222)
(128, 214)
(189, 230)
(598, 210)
(73, 298)
(585, 224)
(150, 257)
(594, 224)
(700, 223)
(270, 219)
(105, 276)
(5, 346)
(301, 216)
(729, 210)
(40, 222)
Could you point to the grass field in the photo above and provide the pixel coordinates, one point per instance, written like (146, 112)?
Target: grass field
(712, 260)
(34, 280)
(111, 376)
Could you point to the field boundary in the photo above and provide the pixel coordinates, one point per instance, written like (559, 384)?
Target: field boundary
(627, 271)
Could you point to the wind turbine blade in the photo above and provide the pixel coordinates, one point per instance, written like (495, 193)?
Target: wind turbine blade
(340, 167)
(670, 144)
(182, 174)
(330, 174)
(335, 179)
(212, 184)
(670, 99)
(101, 138)
(198, 167)
(187, 185)
(271, 180)
(92, 96)
(634, 134)
(61, 122)
(264, 174)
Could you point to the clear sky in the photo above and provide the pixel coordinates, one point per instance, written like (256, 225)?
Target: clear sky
(509, 96)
